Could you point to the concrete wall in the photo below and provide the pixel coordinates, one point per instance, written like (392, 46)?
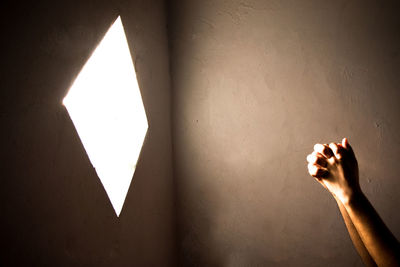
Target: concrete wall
(256, 84)
(54, 210)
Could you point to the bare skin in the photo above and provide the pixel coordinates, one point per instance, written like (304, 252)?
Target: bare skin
(335, 167)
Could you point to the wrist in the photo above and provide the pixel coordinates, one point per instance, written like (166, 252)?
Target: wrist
(353, 197)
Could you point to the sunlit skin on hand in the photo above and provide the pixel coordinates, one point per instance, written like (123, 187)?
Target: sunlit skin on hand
(335, 167)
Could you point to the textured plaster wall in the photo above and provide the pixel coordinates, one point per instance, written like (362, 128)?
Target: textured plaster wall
(256, 84)
(54, 210)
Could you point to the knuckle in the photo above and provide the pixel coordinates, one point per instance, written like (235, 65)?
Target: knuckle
(333, 146)
(316, 147)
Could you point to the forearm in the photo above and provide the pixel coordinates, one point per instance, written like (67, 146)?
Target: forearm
(336, 168)
(355, 237)
(376, 237)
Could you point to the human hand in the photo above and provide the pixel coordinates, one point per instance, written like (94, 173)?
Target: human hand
(335, 168)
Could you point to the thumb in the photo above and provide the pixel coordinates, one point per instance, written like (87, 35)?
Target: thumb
(346, 145)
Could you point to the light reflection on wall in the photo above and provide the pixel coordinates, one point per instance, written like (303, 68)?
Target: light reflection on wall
(106, 108)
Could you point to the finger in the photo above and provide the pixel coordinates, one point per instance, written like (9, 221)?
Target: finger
(345, 142)
(324, 150)
(347, 146)
(317, 158)
(317, 171)
(341, 150)
(335, 149)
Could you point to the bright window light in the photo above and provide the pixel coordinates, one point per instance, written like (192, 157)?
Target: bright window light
(106, 108)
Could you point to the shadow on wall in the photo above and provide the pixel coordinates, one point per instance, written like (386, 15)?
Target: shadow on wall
(54, 209)
(53, 204)
(256, 85)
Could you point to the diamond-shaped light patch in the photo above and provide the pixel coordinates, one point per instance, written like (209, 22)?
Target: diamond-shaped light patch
(106, 108)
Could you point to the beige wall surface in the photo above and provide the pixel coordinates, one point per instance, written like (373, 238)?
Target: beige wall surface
(54, 210)
(255, 85)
